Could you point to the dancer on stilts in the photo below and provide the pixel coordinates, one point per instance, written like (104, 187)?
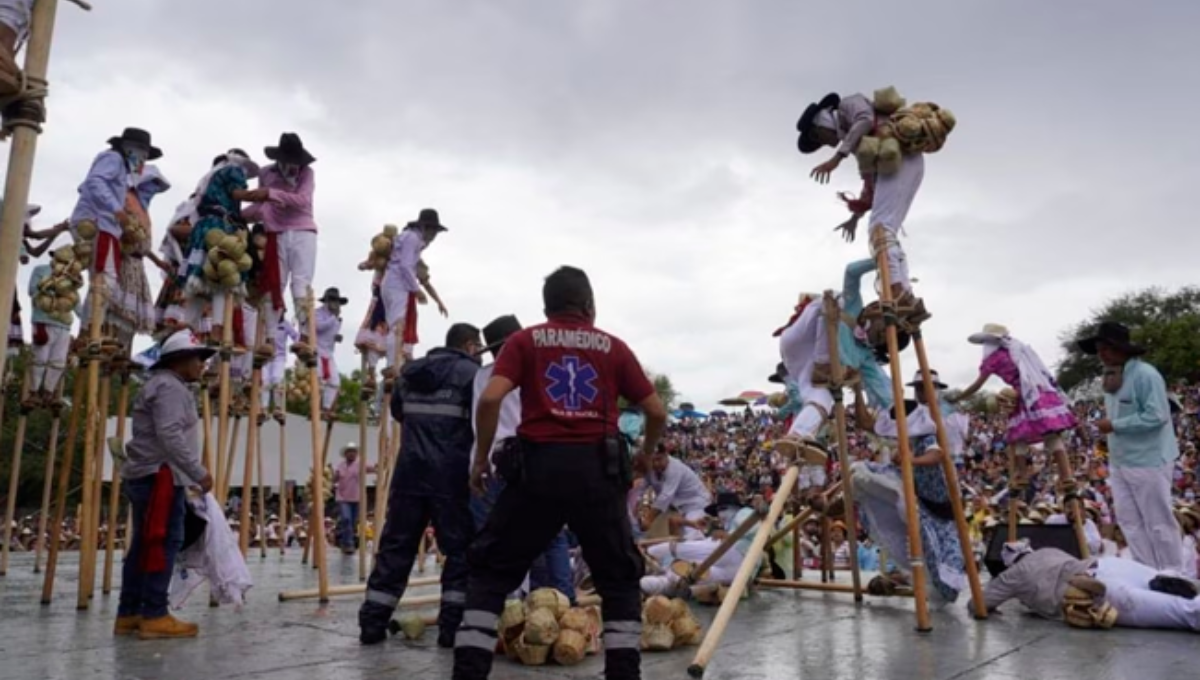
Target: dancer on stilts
(287, 212)
(329, 334)
(400, 289)
(134, 313)
(51, 339)
(889, 142)
(878, 492)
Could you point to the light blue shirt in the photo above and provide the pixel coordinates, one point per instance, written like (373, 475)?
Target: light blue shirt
(855, 354)
(37, 316)
(1143, 435)
(102, 193)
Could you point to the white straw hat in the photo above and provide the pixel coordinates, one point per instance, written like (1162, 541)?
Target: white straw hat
(181, 343)
(992, 332)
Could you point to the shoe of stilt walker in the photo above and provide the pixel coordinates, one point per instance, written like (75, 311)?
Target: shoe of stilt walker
(127, 625)
(166, 627)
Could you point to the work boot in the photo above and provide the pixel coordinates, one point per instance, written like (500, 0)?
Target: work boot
(127, 625)
(911, 309)
(372, 636)
(166, 627)
(1174, 585)
(446, 638)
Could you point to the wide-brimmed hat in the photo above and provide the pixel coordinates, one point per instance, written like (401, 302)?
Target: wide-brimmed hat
(779, 375)
(242, 159)
(429, 218)
(333, 294)
(136, 136)
(181, 344)
(919, 380)
(289, 150)
(1114, 334)
(808, 143)
(498, 330)
(349, 446)
(725, 499)
(992, 332)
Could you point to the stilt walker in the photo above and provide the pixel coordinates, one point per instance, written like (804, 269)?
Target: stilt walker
(78, 418)
(51, 456)
(114, 489)
(14, 474)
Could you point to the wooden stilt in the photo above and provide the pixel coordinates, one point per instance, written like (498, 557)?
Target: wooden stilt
(725, 546)
(351, 589)
(382, 466)
(223, 397)
(1014, 491)
(826, 555)
(797, 554)
(361, 530)
(1071, 503)
(956, 503)
(252, 453)
(324, 462)
(285, 520)
(48, 484)
(823, 587)
(25, 123)
(833, 322)
(14, 474)
(262, 501)
(318, 492)
(746, 571)
(231, 455)
(206, 425)
(101, 443)
(114, 489)
(912, 518)
(92, 358)
(78, 418)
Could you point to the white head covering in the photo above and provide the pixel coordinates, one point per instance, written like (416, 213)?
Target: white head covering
(826, 118)
(1013, 550)
(1035, 377)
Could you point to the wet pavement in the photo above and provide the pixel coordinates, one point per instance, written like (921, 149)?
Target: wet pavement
(775, 634)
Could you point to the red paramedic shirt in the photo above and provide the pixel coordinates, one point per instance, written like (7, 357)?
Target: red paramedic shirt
(570, 374)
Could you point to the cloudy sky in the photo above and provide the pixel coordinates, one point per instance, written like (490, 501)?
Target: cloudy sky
(653, 144)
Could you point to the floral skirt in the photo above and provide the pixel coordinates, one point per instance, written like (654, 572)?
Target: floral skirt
(132, 307)
(1048, 416)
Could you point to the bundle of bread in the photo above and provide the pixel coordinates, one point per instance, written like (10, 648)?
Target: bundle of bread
(133, 233)
(299, 383)
(58, 294)
(381, 247)
(920, 128)
(667, 624)
(327, 488)
(545, 627)
(228, 259)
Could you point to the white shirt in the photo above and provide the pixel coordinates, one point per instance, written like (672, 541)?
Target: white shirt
(680, 487)
(328, 328)
(510, 408)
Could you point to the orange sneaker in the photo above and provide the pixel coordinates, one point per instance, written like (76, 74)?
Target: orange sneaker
(127, 625)
(166, 627)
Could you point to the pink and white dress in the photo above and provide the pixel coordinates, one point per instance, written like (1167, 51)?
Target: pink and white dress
(1041, 410)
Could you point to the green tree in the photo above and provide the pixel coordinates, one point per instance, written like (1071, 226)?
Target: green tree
(662, 386)
(1166, 323)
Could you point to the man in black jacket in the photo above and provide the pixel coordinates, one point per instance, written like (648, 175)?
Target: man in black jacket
(433, 401)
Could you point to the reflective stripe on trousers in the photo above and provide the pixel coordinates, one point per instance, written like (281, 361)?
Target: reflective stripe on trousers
(622, 634)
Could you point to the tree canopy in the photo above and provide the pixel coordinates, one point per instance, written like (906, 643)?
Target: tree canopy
(1166, 323)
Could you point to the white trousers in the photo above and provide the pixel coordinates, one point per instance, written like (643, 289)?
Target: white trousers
(297, 266)
(243, 367)
(273, 375)
(1139, 607)
(894, 195)
(50, 359)
(331, 380)
(723, 572)
(803, 345)
(16, 14)
(1142, 500)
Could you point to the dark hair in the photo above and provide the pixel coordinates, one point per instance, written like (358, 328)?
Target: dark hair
(881, 350)
(567, 290)
(460, 334)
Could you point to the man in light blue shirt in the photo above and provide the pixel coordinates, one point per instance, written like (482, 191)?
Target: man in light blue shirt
(1141, 444)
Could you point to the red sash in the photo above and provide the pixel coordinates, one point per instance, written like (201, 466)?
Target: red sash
(153, 559)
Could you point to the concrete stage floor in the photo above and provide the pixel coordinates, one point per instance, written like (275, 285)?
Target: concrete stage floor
(775, 634)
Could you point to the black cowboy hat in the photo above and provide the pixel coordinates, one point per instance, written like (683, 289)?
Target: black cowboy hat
(918, 381)
(725, 499)
(1113, 334)
(779, 374)
(332, 294)
(136, 136)
(290, 150)
(808, 142)
(429, 218)
(496, 332)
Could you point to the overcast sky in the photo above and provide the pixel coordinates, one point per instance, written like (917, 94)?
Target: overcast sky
(653, 145)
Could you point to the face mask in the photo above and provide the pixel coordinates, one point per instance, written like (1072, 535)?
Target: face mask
(135, 159)
(290, 172)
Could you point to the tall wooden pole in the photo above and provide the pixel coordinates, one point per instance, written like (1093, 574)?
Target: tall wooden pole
(48, 484)
(948, 469)
(317, 530)
(14, 474)
(230, 454)
(916, 552)
(92, 359)
(1014, 492)
(22, 149)
(78, 418)
(262, 496)
(252, 439)
(285, 521)
(833, 323)
(206, 425)
(363, 400)
(97, 481)
(114, 488)
(223, 394)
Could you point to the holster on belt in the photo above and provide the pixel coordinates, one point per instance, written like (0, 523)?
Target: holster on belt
(509, 460)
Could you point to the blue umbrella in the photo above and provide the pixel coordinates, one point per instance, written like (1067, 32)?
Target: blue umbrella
(689, 414)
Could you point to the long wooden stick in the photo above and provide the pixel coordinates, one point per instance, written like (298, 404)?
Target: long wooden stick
(747, 571)
(262, 498)
(1014, 489)
(833, 322)
(48, 484)
(114, 490)
(285, 521)
(312, 516)
(317, 531)
(948, 469)
(78, 418)
(223, 396)
(361, 532)
(89, 432)
(351, 589)
(14, 474)
(916, 550)
(22, 149)
(231, 454)
(206, 425)
(98, 476)
(1067, 485)
(824, 587)
(252, 440)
